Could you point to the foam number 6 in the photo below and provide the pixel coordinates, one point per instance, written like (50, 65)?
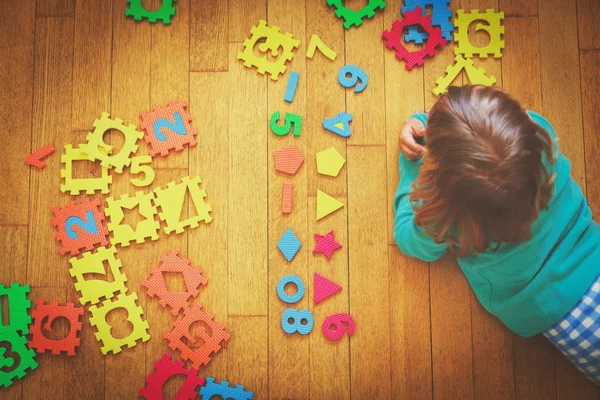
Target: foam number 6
(177, 127)
(137, 168)
(350, 75)
(337, 321)
(298, 317)
(89, 226)
(289, 120)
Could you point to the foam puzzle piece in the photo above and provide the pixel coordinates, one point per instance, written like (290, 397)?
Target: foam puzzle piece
(324, 288)
(290, 90)
(326, 244)
(168, 128)
(441, 14)
(92, 290)
(171, 200)
(134, 316)
(299, 289)
(475, 75)
(294, 120)
(17, 344)
(123, 234)
(317, 44)
(36, 158)
(225, 392)
(157, 286)
(138, 12)
(355, 17)
(288, 160)
(326, 204)
(330, 162)
(494, 29)
(337, 321)
(274, 40)
(287, 198)
(96, 149)
(51, 312)
(289, 245)
(164, 369)
(89, 221)
(357, 75)
(393, 38)
(297, 317)
(138, 168)
(18, 309)
(211, 337)
(340, 124)
(77, 185)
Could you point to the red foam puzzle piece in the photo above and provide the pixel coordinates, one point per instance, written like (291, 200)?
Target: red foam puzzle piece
(288, 160)
(323, 288)
(163, 370)
(326, 244)
(172, 139)
(53, 311)
(37, 156)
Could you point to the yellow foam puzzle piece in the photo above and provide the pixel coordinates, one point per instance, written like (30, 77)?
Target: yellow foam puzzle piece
(494, 28)
(171, 200)
(326, 204)
(329, 162)
(476, 76)
(134, 316)
(76, 185)
(137, 167)
(124, 234)
(316, 43)
(92, 290)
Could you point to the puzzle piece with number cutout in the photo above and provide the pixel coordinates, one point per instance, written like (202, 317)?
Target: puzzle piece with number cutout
(124, 234)
(164, 369)
(476, 76)
(355, 17)
(224, 391)
(48, 313)
(168, 128)
(18, 345)
(494, 28)
(138, 12)
(76, 185)
(18, 309)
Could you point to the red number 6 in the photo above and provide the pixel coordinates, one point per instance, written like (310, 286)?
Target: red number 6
(336, 321)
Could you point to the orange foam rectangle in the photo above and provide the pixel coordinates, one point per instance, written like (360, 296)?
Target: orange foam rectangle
(286, 202)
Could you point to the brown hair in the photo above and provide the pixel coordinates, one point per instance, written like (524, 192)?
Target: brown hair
(482, 182)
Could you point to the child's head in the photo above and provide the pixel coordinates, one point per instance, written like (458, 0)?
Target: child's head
(482, 182)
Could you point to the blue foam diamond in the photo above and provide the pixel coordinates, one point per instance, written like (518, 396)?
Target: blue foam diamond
(289, 245)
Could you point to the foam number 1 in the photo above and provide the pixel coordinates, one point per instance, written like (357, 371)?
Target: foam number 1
(337, 322)
(290, 119)
(350, 75)
(177, 127)
(89, 226)
(298, 317)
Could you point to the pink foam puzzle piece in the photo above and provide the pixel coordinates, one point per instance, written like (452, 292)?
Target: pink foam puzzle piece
(326, 244)
(324, 288)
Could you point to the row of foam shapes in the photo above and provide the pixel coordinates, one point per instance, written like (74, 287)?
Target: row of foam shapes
(289, 244)
(289, 159)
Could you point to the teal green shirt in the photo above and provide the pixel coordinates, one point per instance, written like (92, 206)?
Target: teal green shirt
(529, 285)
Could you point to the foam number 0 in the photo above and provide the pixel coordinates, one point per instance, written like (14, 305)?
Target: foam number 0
(337, 322)
(89, 226)
(297, 317)
(286, 298)
(290, 119)
(177, 127)
(138, 168)
(350, 75)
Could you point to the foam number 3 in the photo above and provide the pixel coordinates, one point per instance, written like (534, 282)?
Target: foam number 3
(89, 226)
(337, 321)
(297, 325)
(290, 119)
(138, 168)
(177, 127)
(350, 75)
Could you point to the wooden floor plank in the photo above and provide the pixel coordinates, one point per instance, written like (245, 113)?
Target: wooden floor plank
(590, 86)
(519, 8)
(588, 18)
(209, 36)
(55, 8)
(243, 15)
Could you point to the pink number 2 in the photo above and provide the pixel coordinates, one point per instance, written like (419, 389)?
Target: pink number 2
(337, 322)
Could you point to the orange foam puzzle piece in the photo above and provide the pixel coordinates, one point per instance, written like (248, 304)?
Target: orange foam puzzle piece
(51, 312)
(288, 160)
(288, 194)
(164, 369)
(35, 158)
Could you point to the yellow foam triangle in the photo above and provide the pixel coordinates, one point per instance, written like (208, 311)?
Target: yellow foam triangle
(326, 204)
(339, 125)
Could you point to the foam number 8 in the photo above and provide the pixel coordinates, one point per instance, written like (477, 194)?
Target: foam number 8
(336, 321)
(89, 226)
(350, 75)
(137, 168)
(297, 325)
(290, 119)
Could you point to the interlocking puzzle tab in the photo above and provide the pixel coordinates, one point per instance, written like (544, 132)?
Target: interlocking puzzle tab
(289, 245)
(337, 321)
(171, 200)
(290, 119)
(18, 309)
(493, 28)
(168, 128)
(157, 286)
(137, 167)
(212, 333)
(125, 234)
(302, 321)
(44, 312)
(324, 288)
(326, 204)
(288, 160)
(164, 13)
(287, 198)
(330, 162)
(352, 17)
(476, 76)
(35, 158)
(80, 226)
(394, 38)
(350, 76)
(76, 185)
(92, 290)
(290, 90)
(165, 369)
(286, 298)
(134, 316)
(16, 344)
(316, 43)
(224, 391)
(326, 244)
(96, 149)
(340, 124)
(274, 42)
(441, 14)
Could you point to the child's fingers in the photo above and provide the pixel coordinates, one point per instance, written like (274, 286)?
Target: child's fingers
(413, 146)
(420, 132)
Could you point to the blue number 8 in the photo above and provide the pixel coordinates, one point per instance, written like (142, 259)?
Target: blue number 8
(297, 317)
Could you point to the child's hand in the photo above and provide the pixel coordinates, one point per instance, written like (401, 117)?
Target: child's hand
(408, 145)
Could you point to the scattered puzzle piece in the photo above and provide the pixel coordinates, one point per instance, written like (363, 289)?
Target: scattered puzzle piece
(316, 43)
(326, 244)
(157, 286)
(224, 391)
(297, 317)
(494, 29)
(274, 41)
(287, 199)
(18, 309)
(356, 74)
(76, 185)
(475, 75)
(352, 17)
(324, 288)
(168, 128)
(125, 234)
(51, 312)
(138, 168)
(340, 124)
(36, 158)
(441, 14)
(330, 162)
(299, 289)
(138, 12)
(288, 160)
(326, 204)
(134, 316)
(290, 90)
(337, 321)
(26, 360)
(290, 119)
(164, 369)
(289, 245)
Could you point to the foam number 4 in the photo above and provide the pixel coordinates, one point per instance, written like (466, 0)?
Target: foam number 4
(290, 119)
(298, 317)
(340, 125)
(138, 168)
(89, 226)
(337, 322)
(350, 75)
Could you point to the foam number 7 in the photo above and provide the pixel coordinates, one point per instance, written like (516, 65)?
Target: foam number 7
(337, 321)
(297, 317)
(290, 119)
(89, 226)
(138, 168)
(350, 75)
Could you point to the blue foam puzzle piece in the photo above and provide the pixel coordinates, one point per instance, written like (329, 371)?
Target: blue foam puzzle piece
(223, 389)
(286, 298)
(356, 74)
(289, 245)
(290, 90)
(440, 16)
(343, 118)
(297, 326)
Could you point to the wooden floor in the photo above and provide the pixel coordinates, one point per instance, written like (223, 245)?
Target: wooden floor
(420, 332)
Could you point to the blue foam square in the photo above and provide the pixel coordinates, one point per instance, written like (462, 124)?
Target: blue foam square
(289, 245)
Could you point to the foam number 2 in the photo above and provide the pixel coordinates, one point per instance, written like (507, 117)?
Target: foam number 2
(297, 325)
(137, 168)
(89, 226)
(178, 127)
(337, 322)
(290, 119)
(350, 75)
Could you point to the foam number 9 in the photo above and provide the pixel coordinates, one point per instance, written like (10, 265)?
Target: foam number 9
(298, 317)
(89, 226)
(350, 75)
(337, 322)
(138, 168)
(290, 119)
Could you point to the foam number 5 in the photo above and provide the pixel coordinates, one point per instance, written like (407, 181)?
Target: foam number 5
(337, 321)
(177, 127)
(350, 75)
(298, 317)
(138, 168)
(89, 226)
(290, 119)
